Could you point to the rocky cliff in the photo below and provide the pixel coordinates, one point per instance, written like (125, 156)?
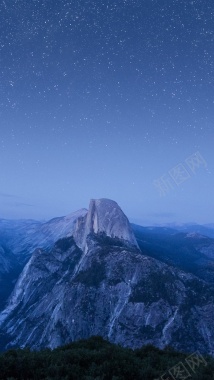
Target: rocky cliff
(99, 283)
(103, 216)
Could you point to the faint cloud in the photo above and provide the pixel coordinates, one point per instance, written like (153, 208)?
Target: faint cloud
(163, 215)
(7, 195)
(21, 204)
(12, 200)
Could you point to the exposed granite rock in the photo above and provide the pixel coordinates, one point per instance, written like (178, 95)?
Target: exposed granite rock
(104, 215)
(22, 237)
(9, 271)
(107, 288)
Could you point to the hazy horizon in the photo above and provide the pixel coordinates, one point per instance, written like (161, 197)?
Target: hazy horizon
(146, 220)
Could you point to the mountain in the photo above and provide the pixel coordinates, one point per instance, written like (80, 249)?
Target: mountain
(22, 237)
(190, 251)
(103, 216)
(204, 229)
(19, 239)
(98, 282)
(9, 271)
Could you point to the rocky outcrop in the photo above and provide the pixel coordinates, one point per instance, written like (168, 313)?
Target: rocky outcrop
(107, 287)
(103, 216)
(111, 291)
(19, 239)
(9, 271)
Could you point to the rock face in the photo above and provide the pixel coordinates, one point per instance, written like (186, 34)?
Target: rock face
(9, 270)
(22, 237)
(104, 216)
(97, 282)
(19, 239)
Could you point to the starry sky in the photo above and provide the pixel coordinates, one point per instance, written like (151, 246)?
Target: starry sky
(110, 99)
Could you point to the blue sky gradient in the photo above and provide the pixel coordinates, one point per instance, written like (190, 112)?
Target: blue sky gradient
(107, 99)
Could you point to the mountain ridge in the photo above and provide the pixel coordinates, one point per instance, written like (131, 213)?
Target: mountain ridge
(97, 282)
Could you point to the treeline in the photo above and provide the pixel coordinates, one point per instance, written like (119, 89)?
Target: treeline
(97, 359)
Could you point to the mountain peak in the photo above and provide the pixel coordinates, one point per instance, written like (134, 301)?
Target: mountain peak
(104, 216)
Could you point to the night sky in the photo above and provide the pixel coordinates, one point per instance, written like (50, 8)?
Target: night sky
(107, 99)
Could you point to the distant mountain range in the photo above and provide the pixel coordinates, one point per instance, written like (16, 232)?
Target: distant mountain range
(189, 251)
(93, 273)
(205, 229)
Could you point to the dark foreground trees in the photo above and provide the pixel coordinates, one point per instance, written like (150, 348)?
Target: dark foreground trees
(97, 359)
